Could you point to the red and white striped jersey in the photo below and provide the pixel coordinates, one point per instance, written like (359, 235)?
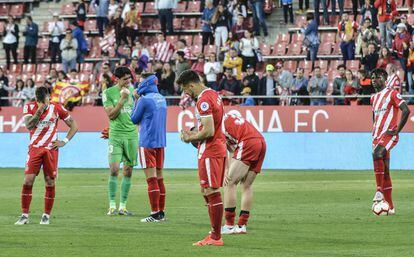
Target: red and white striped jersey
(45, 131)
(394, 82)
(385, 105)
(237, 129)
(163, 51)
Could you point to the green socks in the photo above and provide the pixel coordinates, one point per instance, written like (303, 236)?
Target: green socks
(112, 185)
(125, 186)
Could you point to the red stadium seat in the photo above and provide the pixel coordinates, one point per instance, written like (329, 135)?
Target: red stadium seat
(328, 37)
(86, 68)
(29, 69)
(353, 65)
(172, 39)
(178, 23)
(46, 26)
(323, 64)
(16, 10)
(43, 69)
(279, 49)
(188, 39)
(85, 77)
(40, 53)
(150, 7)
(91, 9)
(337, 49)
(265, 49)
(193, 6)
(181, 7)
(12, 79)
(290, 65)
(111, 51)
(20, 53)
(139, 6)
(4, 10)
(196, 50)
(189, 23)
(25, 77)
(306, 65)
(325, 49)
(95, 52)
(298, 38)
(300, 21)
(67, 9)
(15, 69)
(57, 66)
(154, 24)
(208, 49)
(283, 38)
(90, 25)
(295, 49)
(43, 43)
(198, 40)
(335, 63)
(39, 79)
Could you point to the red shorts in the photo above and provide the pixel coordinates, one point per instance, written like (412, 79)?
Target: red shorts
(39, 157)
(151, 157)
(211, 172)
(386, 141)
(252, 152)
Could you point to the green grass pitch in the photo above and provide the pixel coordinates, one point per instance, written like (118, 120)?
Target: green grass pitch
(295, 213)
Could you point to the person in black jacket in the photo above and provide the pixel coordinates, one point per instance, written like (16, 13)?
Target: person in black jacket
(230, 83)
(4, 88)
(370, 58)
(253, 79)
(11, 40)
(32, 36)
(267, 87)
(81, 14)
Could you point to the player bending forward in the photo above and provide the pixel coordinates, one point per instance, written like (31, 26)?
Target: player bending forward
(385, 105)
(248, 148)
(123, 137)
(150, 112)
(211, 149)
(41, 119)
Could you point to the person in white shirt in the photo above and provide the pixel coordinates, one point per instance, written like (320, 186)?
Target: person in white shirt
(56, 29)
(11, 40)
(113, 6)
(248, 46)
(211, 68)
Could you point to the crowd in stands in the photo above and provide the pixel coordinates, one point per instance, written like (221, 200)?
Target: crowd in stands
(230, 59)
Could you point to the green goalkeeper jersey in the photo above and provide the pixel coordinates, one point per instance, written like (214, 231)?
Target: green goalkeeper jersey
(122, 126)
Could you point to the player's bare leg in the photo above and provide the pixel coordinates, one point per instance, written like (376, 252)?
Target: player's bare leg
(125, 186)
(388, 185)
(153, 194)
(246, 201)
(49, 200)
(236, 172)
(112, 187)
(161, 186)
(26, 198)
(215, 203)
(379, 155)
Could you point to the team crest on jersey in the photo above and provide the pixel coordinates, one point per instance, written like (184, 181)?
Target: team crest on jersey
(204, 106)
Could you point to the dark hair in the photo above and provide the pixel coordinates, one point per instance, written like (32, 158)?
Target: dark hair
(107, 78)
(41, 93)
(316, 67)
(341, 66)
(310, 16)
(183, 41)
(146, 74)
(380, 72)
(33, 83)
(73, 70)
(29, 18)
(181, 53)
(121, 71)
(188, 76)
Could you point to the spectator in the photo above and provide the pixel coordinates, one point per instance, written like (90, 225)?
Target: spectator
(56, 29)
(404, 20)
(338, 84)
(366, 35)
(258, 17)
(369, 11)
(409, 54)
(252, 80)
(132, 22)
(317, 87)
(230, 83)
(366, 87)
(287, 9)
(99, 66)
(199, 65)
(248, 47)
(104, 71)
(32, 35)
(162, 50)
(158, 69)
(317, 3)
(62, 77)
(207, 28)
(135, 69)
(29, 90)
(393, 80)
(181, 45)
(73, 76)
(105, 83)
(142, 53)
(166, 83)
(237, 8)
(369, 58)
(301, 10)
(401, 43)
(211, 69)
(101, 9)
(113, 8)
(18, 98)
(80, 39)
(121, 32)
(385, 58)
(238, 29)
(233, 61)
(340, 5)
(181, 64)
(11, 40)
(81, 14)
(311, 40)
(221, 20)
(386, 10)
(52, 77)
(350, 87)
(4, 88)
(249, 101)
(347, 32)
(165, 14)
(267, 87)
(300, 88)
(284, 81)
(69, 47)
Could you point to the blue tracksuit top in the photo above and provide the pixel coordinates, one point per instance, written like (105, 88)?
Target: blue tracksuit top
(150, 112)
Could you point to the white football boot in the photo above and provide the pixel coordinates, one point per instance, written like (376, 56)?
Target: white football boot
(228, 230)
(45, 219)
(391, 212)
(241, 229)
(24, 219)
(378, 197)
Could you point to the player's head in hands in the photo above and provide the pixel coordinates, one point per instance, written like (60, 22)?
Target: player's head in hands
(191, 83)
(378, 78)
(42, 95)
(123, 74)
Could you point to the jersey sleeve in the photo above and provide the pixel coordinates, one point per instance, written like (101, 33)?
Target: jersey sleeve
(62, 112)
(396, 99)
(27, 110)
(106, 99)
(205, 106)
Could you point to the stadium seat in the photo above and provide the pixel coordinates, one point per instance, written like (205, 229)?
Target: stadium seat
(328, 37)
(40, 54)
(198, 40)
(193, 6)
(306, 65)
(15, 69)
(265, 49)
(139, 6)
(85, 77)
(90, 25)
(181, 7)
(172, 39)
(353, 65)
(208, 49)
(189, 23)
(335, 63)
(188, 39)
(279, 49)
(39, 79)
(4, 10)
(43, 43)
(86, 68)
(325, 49)
(29, 69)
(295, 49)
(57, 66)
(111, 51)
(298, 38)
(323, 64)
(95, 52)
(20, 53)
(12, 79)
(301, 21)
(290, 65)
(67, 9)
(178, 24)
(150, 7)
(410, 19)
(337, 49)
(25, 77)
(283, 38)
(196, 50)
(16, 10)
(43, 69)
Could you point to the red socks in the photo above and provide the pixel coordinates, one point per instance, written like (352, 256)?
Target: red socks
(162, 194)
(49, 199)
(229, 215)
(379, 168)
(154, 194)
(388, 189)
(216, 214)
(26, 198)
(244, 217)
